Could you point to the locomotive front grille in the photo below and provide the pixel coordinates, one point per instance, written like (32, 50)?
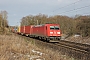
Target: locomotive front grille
(54, 38)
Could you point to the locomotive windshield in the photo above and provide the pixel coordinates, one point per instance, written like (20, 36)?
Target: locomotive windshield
(51, 27)
(54, 28)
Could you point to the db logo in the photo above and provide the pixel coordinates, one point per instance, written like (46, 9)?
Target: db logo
(54, 32)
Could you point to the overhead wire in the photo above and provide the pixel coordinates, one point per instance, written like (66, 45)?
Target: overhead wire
(77, 9)
(86, 13)
(68, 5)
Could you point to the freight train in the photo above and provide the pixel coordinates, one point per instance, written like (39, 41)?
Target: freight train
(48, 32)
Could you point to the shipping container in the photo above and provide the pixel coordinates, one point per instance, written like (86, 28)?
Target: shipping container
(18, 30)
(28, 30)
(22, 30)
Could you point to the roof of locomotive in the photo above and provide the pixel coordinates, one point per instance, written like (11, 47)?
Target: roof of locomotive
(51, 24)
(44, 25)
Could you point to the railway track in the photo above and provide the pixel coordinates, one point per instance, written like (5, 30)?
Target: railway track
(77, 50)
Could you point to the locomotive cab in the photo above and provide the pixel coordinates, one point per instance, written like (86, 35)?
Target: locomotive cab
(53, 32)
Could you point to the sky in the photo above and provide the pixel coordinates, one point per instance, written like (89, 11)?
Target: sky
(20, 8)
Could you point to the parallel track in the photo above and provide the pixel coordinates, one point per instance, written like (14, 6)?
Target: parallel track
(76, 46)
(77, 50)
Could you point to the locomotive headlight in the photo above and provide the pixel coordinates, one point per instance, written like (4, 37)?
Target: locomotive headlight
(58, 32)
(51, 32)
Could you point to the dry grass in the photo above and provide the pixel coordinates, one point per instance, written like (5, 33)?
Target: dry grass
(16, 48)
(84, 40)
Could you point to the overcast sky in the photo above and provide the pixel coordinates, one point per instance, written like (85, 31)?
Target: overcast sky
(19, 8)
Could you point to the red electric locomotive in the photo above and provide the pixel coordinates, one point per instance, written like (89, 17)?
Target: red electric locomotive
(49, 32)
